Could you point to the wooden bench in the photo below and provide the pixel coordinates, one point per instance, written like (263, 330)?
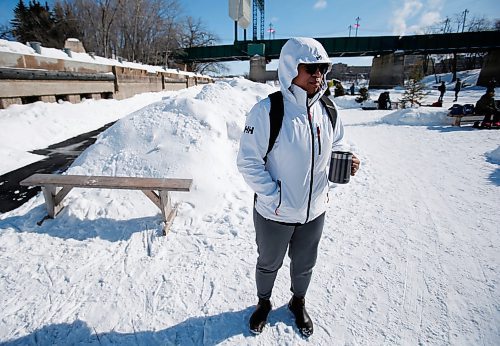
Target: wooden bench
(55, 187)
(465, 118)
(394, 105)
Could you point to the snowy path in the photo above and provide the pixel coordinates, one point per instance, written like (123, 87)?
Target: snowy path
(424, 273)
(409, 253)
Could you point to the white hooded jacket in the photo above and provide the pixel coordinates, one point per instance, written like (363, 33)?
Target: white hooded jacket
(292, 184)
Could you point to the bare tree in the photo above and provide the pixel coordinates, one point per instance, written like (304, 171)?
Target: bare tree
(196, 35)
(479, 24)
(96, 18)
(149, 29)
(458, 23)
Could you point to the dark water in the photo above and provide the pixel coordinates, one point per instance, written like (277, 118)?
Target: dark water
(59, 157)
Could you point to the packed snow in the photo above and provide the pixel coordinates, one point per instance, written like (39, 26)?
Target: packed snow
(409, 253)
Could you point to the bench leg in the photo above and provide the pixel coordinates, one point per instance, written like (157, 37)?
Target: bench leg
(49, 193)
(163, 202)
(167, 210)
(457, 121)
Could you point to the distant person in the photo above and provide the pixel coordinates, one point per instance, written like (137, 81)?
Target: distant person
(352, 89)
(458, 86)
(442, 90)
(486, 106)
(384, 101)
(339, 90)
(290, 181)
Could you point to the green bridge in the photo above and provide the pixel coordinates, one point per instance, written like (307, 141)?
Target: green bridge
(466, 42)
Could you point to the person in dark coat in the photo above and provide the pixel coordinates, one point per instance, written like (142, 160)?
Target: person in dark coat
(352, 89)
(458, 86)
(384, 101)
(442, 90)
(486, 106)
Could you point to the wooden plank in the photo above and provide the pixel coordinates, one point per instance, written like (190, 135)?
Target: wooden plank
(470, 118)
(128, 183)
(460, 118)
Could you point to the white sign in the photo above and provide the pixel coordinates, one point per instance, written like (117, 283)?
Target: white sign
(245, 13)
(234, 9)
(240, 11)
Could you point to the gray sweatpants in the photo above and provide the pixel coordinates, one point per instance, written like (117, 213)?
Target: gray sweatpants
(273, 239)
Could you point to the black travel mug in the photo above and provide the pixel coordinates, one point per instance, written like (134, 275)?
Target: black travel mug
(340, 167)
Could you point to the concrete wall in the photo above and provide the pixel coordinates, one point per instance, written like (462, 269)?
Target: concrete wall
(120, 82)
(387, 71)
(258, 71)
(26, 88)
(344, 72)
(38, 62)
(491, 69)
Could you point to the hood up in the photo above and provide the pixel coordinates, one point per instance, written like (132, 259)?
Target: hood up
(300, 50)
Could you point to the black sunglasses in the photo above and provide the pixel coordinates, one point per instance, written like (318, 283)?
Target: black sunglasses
(312, 68)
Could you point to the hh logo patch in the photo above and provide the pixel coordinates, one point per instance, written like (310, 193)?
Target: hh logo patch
(249, 129)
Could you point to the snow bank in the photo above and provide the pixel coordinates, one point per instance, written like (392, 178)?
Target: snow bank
(191, 134)
(15, 47)
(346, 102)
(468, 78)
(66, 120)
(494, 156)
(422, 116)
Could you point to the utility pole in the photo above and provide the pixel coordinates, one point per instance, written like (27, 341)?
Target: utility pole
(271, 30)
(465, 15)
(349, 27)
(446, 22)
(357, 25)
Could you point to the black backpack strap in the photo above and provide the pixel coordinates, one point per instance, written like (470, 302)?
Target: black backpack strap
(276, 114)
(330, 109)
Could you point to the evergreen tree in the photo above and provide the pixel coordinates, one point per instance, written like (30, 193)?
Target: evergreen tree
(414, 93)
(38, 23)
(19, 22)
(65, 25)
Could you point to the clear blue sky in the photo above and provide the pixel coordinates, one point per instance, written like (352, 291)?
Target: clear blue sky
(327, 18)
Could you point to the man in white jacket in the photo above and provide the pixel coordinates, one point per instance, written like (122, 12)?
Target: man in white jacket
(291, 183)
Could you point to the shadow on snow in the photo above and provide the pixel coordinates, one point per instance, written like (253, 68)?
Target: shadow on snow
(206, 330)
(70, 227)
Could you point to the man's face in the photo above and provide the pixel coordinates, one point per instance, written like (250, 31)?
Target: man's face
(310, 77)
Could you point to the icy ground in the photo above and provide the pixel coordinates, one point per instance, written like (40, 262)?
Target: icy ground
(410, 251)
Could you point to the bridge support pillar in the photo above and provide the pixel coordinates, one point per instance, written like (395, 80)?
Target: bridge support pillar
(258, 71)
(387, 71)
(490, 69)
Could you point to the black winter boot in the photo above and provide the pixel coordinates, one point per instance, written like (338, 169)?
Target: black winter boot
(298, 307)
(259, 317)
